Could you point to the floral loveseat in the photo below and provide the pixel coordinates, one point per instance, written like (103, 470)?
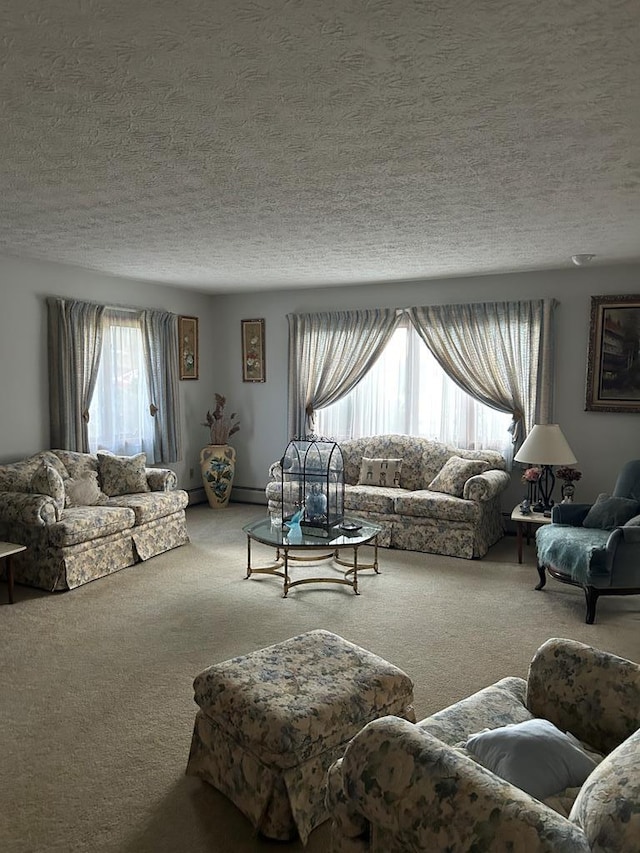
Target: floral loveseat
(427, 786)
(83, 516)
(426, 496)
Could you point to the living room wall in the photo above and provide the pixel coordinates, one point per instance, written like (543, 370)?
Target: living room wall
(601, 441)
(24, 414)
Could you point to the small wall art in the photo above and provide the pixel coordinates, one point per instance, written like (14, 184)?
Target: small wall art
(613, 367)
(188, 337)
(253, 355)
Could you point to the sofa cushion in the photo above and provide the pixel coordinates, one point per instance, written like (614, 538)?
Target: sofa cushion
(609, 512)
(123, 475)
(16, 476)
(83, 490)
(455, 473)
(47, 481)
(380, 472)
(534, 755)
(153, 505)
(76, 463)
(369, 498)
(82, 524)
(436, 505)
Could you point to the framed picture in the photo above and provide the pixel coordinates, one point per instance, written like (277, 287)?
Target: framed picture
(613, 368)
(253, 364)
(188, 337)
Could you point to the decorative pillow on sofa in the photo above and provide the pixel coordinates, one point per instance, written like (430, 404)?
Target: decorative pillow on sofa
(122, 475)
(47, 481)
(380, 472)
(455, 473)
(84, 490)
(609, 512)
(535, 756)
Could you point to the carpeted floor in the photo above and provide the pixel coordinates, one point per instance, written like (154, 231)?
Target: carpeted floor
(96, 708)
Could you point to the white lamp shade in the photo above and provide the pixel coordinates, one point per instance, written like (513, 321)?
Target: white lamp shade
(545, 445)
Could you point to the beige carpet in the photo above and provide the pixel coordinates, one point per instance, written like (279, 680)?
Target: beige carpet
(96, 708)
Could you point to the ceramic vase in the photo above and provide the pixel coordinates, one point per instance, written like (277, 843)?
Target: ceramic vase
(218, 465)
(568, 491)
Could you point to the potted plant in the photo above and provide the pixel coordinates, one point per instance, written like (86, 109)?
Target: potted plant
(218, 459)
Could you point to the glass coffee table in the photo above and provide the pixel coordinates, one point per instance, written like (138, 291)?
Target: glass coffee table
(339, 540)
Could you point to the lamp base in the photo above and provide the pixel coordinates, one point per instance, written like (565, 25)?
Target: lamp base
(545, 489)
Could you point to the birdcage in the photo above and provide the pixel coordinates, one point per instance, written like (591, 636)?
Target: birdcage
(313, 484)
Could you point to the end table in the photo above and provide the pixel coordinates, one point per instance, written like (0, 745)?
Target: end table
(7, 550)
(531, 518)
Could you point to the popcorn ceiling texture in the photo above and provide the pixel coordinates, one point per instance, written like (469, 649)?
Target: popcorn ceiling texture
(244, 145)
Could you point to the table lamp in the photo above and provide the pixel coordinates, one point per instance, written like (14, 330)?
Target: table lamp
(545, 446)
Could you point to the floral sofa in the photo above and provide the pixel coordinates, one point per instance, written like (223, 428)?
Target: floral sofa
(83, 516)
(427, 786)
(425, 495)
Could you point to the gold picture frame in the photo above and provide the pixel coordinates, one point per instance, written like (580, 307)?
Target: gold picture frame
(253, 351)
(613, 364)
(188, 340)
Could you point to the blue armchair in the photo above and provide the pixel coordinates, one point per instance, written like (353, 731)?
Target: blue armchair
(596, 546)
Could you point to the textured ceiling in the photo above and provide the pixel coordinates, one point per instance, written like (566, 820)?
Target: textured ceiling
(235, 145)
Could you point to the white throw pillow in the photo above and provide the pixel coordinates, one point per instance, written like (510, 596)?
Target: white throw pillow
(535, 756)
(84, 490)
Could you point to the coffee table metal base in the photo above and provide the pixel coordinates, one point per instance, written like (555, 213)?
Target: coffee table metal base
(284, 557)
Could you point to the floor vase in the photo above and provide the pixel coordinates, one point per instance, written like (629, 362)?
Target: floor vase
(218, 465)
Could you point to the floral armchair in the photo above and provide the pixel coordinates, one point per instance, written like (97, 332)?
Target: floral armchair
(423, 787)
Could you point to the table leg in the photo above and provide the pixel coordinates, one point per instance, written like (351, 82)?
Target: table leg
(519, 526)
(10, 579)
(286, 572)
(355, 569)
(248, 575)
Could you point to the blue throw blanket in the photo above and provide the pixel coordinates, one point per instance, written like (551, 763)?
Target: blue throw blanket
(579, 552)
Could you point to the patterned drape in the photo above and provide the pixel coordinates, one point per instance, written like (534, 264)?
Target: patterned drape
(75, 342)
(328, 355)
(160, 340)
(501, 353)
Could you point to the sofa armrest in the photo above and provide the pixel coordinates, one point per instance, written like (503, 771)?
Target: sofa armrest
(483, 487)
(573, 514)
(161, 479)
(275, 471)
(418, 793)
(27, 508)
(591, 693)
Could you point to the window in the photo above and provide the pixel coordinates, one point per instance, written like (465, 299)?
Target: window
(119, 416)
(407, 392)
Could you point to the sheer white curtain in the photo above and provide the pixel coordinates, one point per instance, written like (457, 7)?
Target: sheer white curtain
(407, 392)
(119, 415)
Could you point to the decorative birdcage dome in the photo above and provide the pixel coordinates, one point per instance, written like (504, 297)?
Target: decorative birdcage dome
(313, 481)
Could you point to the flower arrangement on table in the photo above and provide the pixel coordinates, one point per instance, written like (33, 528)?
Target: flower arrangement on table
(220, 425)
(569, 476)
(531, 476)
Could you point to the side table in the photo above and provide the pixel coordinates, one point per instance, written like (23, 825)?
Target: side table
(7, 549)
(529, 519)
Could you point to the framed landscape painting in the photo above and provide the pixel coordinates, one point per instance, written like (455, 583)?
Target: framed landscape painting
(613, 367)
(253, 355)
(188, 337)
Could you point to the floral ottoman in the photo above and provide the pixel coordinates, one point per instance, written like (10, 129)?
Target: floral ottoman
(272, 722)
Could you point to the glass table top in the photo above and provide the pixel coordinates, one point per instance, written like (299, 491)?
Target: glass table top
(264, 531)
